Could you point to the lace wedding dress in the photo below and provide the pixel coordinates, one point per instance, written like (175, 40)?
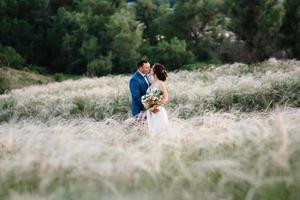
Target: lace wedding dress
(158, 122)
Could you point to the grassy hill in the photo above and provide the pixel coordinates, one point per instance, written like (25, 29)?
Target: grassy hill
(14, 79)
(236, 87)
(234, 134)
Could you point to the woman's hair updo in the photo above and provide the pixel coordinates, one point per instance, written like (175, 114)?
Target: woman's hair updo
(160, 71)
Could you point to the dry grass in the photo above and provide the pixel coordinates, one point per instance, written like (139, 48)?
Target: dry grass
(211, 155)
(228, 87)
(14, 79)
(219, 155)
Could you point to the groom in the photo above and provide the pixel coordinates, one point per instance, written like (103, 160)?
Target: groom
(138, 85)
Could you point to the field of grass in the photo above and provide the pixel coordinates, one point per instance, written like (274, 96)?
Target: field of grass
(235, 134)
(12, 79)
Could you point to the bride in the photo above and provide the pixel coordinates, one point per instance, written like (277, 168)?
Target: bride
(157, 119)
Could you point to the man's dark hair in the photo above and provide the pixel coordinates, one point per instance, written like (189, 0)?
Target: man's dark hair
(141, 63)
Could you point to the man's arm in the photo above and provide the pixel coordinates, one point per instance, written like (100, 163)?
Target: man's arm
(135, 91)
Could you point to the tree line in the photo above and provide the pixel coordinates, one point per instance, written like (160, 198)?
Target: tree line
(99, 37)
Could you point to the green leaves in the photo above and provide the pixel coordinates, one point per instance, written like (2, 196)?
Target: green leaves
(100, 66)
(10, 57)
(67, 36)
(90, 48)
(291, 27)
(126, 36)
(125, 31)
(174, 54)
(258, 23)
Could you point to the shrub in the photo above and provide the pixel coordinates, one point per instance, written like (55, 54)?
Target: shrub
(201, 65)
(234, 51)
(174, 54)
(62, 77)
(3, 85)
(10, 57)
(100, 66)
(38, 69)
(79, 105)
(7, 107)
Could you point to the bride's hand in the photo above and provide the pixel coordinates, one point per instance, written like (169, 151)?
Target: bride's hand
(155, 110)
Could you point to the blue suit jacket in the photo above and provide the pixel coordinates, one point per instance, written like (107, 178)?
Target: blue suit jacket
(138, 87)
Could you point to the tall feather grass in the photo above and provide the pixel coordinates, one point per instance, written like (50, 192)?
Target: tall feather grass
(227, 139)
(216, 156)
(224, 88)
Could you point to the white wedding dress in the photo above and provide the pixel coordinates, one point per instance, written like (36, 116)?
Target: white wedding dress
(158, 123)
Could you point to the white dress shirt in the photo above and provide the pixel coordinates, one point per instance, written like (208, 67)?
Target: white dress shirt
(144, 75)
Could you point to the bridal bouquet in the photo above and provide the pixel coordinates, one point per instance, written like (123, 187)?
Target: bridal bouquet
(152, 99)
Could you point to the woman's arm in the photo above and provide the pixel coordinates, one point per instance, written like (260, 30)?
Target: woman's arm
(165, 98)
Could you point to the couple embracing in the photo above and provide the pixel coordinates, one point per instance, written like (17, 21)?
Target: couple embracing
(149, 95)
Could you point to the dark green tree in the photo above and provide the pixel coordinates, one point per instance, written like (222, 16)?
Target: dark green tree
(100, 66)
(23, 26)
(148, 12)
(198, 22)
(291, 28)
(9, 57)
(127, 36)
(173, 54)
(81, 34)
(258, 23)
